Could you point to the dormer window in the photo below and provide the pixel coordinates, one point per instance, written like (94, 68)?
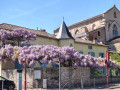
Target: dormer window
(115, 15)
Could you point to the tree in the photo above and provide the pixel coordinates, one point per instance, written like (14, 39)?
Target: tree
(115, 56)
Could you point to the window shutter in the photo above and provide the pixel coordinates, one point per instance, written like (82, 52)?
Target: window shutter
(93, 54)
(103, 55)
(99, 54)
(89, 53)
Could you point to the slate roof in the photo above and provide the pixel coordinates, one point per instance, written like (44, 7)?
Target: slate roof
(63, 32)
(37, 32)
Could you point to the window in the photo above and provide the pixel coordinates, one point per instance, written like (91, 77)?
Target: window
(109, 25)
(98, 33)
(115, 15)
(13, 44)
(24, 44)
(91, 53)
(115, 32)
(71, 45)
(101, 55)
(76, 32)
(89, 47)
(81, 52)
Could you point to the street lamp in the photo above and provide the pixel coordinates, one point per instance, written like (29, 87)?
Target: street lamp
(106, 62)
(59, 75)
(25, 75)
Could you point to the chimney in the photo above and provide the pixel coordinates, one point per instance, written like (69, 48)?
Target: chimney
(37, 28)
(43, 30)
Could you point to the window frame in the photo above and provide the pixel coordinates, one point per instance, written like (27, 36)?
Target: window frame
(90, 47)
(101, 54)
(115, 15)
(98, 33)
(115, 31)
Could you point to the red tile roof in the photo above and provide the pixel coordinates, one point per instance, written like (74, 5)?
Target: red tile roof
(37, 32)
(42, 33)
(88, 42)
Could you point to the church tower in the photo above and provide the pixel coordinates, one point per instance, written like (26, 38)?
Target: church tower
(64, 36)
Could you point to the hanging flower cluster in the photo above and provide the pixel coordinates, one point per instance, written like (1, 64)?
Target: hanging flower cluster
(49, 54)
(16, 35)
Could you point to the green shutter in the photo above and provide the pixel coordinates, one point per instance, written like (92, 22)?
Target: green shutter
(103, 55)
(89, 47)
(99, 54)
(89, 53)
(93, 54)
(81, 52)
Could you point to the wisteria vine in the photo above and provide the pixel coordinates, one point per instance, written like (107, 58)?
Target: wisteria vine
(16, 35)
(49, 54)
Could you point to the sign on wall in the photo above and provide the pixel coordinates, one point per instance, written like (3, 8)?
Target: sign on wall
(37, 74)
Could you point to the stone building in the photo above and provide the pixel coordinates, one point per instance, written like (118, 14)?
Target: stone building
(63, 38)
(72, 74)
(103, 28)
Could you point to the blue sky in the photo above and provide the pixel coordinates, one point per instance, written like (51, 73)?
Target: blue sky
(48, 14)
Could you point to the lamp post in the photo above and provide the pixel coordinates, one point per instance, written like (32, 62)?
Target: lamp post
(107, 58)
(25, 75)
(19, 79)
(59, 75)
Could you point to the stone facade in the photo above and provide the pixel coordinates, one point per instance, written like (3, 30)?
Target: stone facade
(87, 25)
(79, 46)
(70, 77)
(98, 34)
(102, 24)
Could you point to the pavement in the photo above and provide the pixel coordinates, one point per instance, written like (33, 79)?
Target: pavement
(115, 86)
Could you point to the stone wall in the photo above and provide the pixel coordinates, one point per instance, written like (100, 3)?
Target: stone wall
(109, 18)
(103, 80)
(70, 77)
(94, 34)
(12, 75)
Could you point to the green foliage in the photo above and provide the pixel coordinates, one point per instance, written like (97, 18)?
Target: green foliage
(115, 56)
(94, 72)
(115, 72)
